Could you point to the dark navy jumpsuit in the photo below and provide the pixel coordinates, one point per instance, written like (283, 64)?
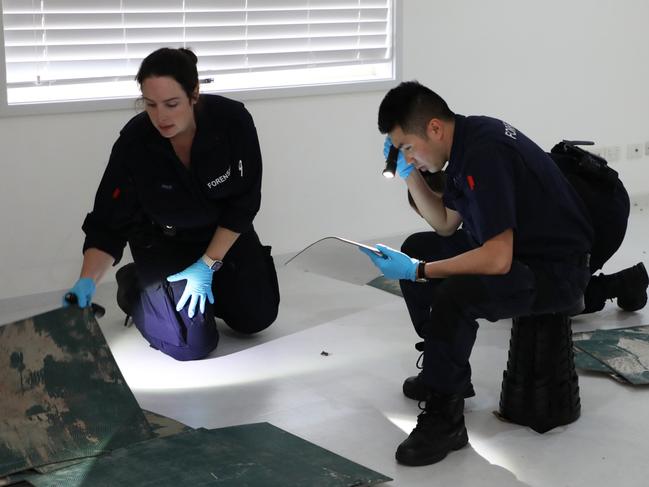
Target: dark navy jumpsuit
(497, 179)
(168, 214)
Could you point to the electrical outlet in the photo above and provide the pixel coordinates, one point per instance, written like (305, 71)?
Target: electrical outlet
(634, 151)
(612, 153)
(646, 148)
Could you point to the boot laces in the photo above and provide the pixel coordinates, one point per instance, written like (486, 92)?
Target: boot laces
(420, 361)
(429, 411)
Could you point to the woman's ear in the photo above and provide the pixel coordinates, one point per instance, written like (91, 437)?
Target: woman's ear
(195, 95)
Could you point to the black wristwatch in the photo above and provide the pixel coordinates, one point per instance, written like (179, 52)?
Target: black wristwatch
(420, 275)
(215, 265)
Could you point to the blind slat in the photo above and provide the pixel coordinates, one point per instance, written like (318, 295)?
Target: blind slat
(65, 41)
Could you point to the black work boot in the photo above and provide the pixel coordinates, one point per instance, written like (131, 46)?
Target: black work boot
(440, 429)
(632, 293)
(414, 386)
(127, 289)
(629, 286)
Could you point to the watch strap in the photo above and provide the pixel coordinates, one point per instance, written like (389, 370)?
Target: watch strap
(421, 272)
(213, 264)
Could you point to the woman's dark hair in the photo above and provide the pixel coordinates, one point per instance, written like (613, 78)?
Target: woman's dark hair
(179, 64)
(411, 106)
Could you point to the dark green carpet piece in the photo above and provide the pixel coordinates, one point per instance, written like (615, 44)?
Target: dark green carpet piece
(623, 352)
(254, 455)
(62, 396)
(584, 361)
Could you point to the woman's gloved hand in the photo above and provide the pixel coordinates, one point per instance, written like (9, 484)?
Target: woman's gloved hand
(84, 290)
(393, 264)
(198, 287)
(403, 168)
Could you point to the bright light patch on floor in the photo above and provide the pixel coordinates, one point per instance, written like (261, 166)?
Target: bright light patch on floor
(153, 371)
(490, 453)
(205, 374)
(481, 446)
(405, 424)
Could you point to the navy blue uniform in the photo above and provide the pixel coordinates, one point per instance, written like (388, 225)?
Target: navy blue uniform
(497, 179)
(168, 214)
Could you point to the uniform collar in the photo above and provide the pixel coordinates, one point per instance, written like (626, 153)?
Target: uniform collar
(458, 146)
(208, 130)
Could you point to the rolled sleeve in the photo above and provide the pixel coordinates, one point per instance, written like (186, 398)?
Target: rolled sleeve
(107, 226)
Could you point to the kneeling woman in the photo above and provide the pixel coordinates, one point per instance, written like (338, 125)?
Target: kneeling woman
(182, 187)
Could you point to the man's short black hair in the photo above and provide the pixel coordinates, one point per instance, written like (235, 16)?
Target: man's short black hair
(411, 106)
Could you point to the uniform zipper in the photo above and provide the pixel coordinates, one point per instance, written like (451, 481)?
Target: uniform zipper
(241, 167)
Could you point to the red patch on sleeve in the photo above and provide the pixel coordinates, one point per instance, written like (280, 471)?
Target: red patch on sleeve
(469, 179)
(116, 193)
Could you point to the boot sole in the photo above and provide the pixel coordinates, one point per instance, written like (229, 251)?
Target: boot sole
(437, 457)
(632, 304)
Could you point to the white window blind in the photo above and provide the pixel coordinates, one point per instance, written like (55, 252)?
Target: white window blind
(58, 50)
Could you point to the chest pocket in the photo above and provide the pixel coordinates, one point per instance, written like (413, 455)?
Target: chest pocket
(170, 200)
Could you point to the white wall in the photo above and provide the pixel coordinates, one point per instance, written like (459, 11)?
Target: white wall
(554, 69)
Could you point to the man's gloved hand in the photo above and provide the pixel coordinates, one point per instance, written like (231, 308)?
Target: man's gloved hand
(84, 290)
(394, 264)
(198, 287)
(403, 168)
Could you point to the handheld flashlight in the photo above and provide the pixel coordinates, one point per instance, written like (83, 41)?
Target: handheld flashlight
(391, 163)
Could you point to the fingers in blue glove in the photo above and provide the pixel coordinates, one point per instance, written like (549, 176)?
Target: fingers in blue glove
(385, 250)
(386, 146)
(84, 290)
(374, 257)
(184, 297)
(403, 168)
(397, 265)
(193, 301)
(177, 277)
(198, 288)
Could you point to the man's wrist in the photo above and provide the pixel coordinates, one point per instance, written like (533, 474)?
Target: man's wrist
(420, 274)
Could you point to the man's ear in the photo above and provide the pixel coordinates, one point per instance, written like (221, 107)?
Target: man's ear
(435, 129)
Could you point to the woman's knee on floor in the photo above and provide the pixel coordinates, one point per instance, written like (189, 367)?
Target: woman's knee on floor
(250, 321)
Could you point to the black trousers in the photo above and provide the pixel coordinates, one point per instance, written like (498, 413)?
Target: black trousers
(444, 311)
(609, 213)
(246, 295)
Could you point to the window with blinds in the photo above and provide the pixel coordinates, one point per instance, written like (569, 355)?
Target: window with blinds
(61, 50)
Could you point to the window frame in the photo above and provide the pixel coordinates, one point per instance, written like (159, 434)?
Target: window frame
(127, 103)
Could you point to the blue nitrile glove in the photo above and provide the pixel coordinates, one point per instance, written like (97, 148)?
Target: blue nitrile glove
(393, 264)
(403, 168)
(198, 287)
(84, 290)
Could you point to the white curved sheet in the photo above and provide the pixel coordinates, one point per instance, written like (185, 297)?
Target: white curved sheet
(338, 258)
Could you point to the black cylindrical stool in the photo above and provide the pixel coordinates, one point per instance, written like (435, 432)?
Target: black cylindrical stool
(540, 388)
